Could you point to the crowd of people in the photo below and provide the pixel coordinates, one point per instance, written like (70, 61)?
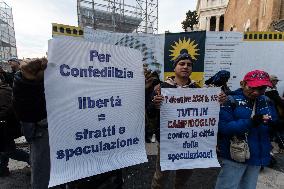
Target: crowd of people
(252, 115)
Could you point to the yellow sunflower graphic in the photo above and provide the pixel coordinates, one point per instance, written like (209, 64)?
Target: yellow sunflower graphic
(183, 45)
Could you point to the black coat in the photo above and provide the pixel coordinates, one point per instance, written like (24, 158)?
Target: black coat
(9, 126)
(29, 99)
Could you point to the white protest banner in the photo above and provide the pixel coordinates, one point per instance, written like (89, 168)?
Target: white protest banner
(95, 107)
(189, 125)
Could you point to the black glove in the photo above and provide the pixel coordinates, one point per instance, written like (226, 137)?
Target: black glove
(277, 125)
(257, 120)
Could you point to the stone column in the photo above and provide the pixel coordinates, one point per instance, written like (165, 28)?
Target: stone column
(208, 23)
(217, 23)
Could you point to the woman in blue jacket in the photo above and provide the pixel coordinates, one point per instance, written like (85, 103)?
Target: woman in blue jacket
(247, 115)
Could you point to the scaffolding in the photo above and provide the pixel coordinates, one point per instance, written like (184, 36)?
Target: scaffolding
(7, 36)
(123, 16)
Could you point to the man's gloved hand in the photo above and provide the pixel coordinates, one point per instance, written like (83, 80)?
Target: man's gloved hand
(257, 120)
(277, 125)
(260, 119)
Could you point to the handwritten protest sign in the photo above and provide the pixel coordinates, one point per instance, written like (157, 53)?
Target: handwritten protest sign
(189, 124)
(95, 106)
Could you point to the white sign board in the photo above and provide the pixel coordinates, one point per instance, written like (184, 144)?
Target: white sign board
(189, 125)
(260, 55)
(95, 107)
(228, 51)
(220, 53)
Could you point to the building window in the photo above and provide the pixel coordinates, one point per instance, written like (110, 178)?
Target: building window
(75, 31)
(275, 36)
(212, 23)
(265, 36)
(54, 28)
(61, 29)
(68, 30)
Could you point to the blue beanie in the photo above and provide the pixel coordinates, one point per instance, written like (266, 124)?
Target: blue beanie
(183, 56)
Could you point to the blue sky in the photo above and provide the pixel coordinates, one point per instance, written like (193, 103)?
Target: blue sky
(33, 18)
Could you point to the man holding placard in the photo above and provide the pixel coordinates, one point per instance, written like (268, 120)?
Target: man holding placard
(183, 69)
(30, 105)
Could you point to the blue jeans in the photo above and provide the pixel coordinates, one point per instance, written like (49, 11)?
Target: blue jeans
(235, 175)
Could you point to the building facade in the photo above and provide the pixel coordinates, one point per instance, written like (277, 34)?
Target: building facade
(254, 15)
(7, 33)
(211, 14)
